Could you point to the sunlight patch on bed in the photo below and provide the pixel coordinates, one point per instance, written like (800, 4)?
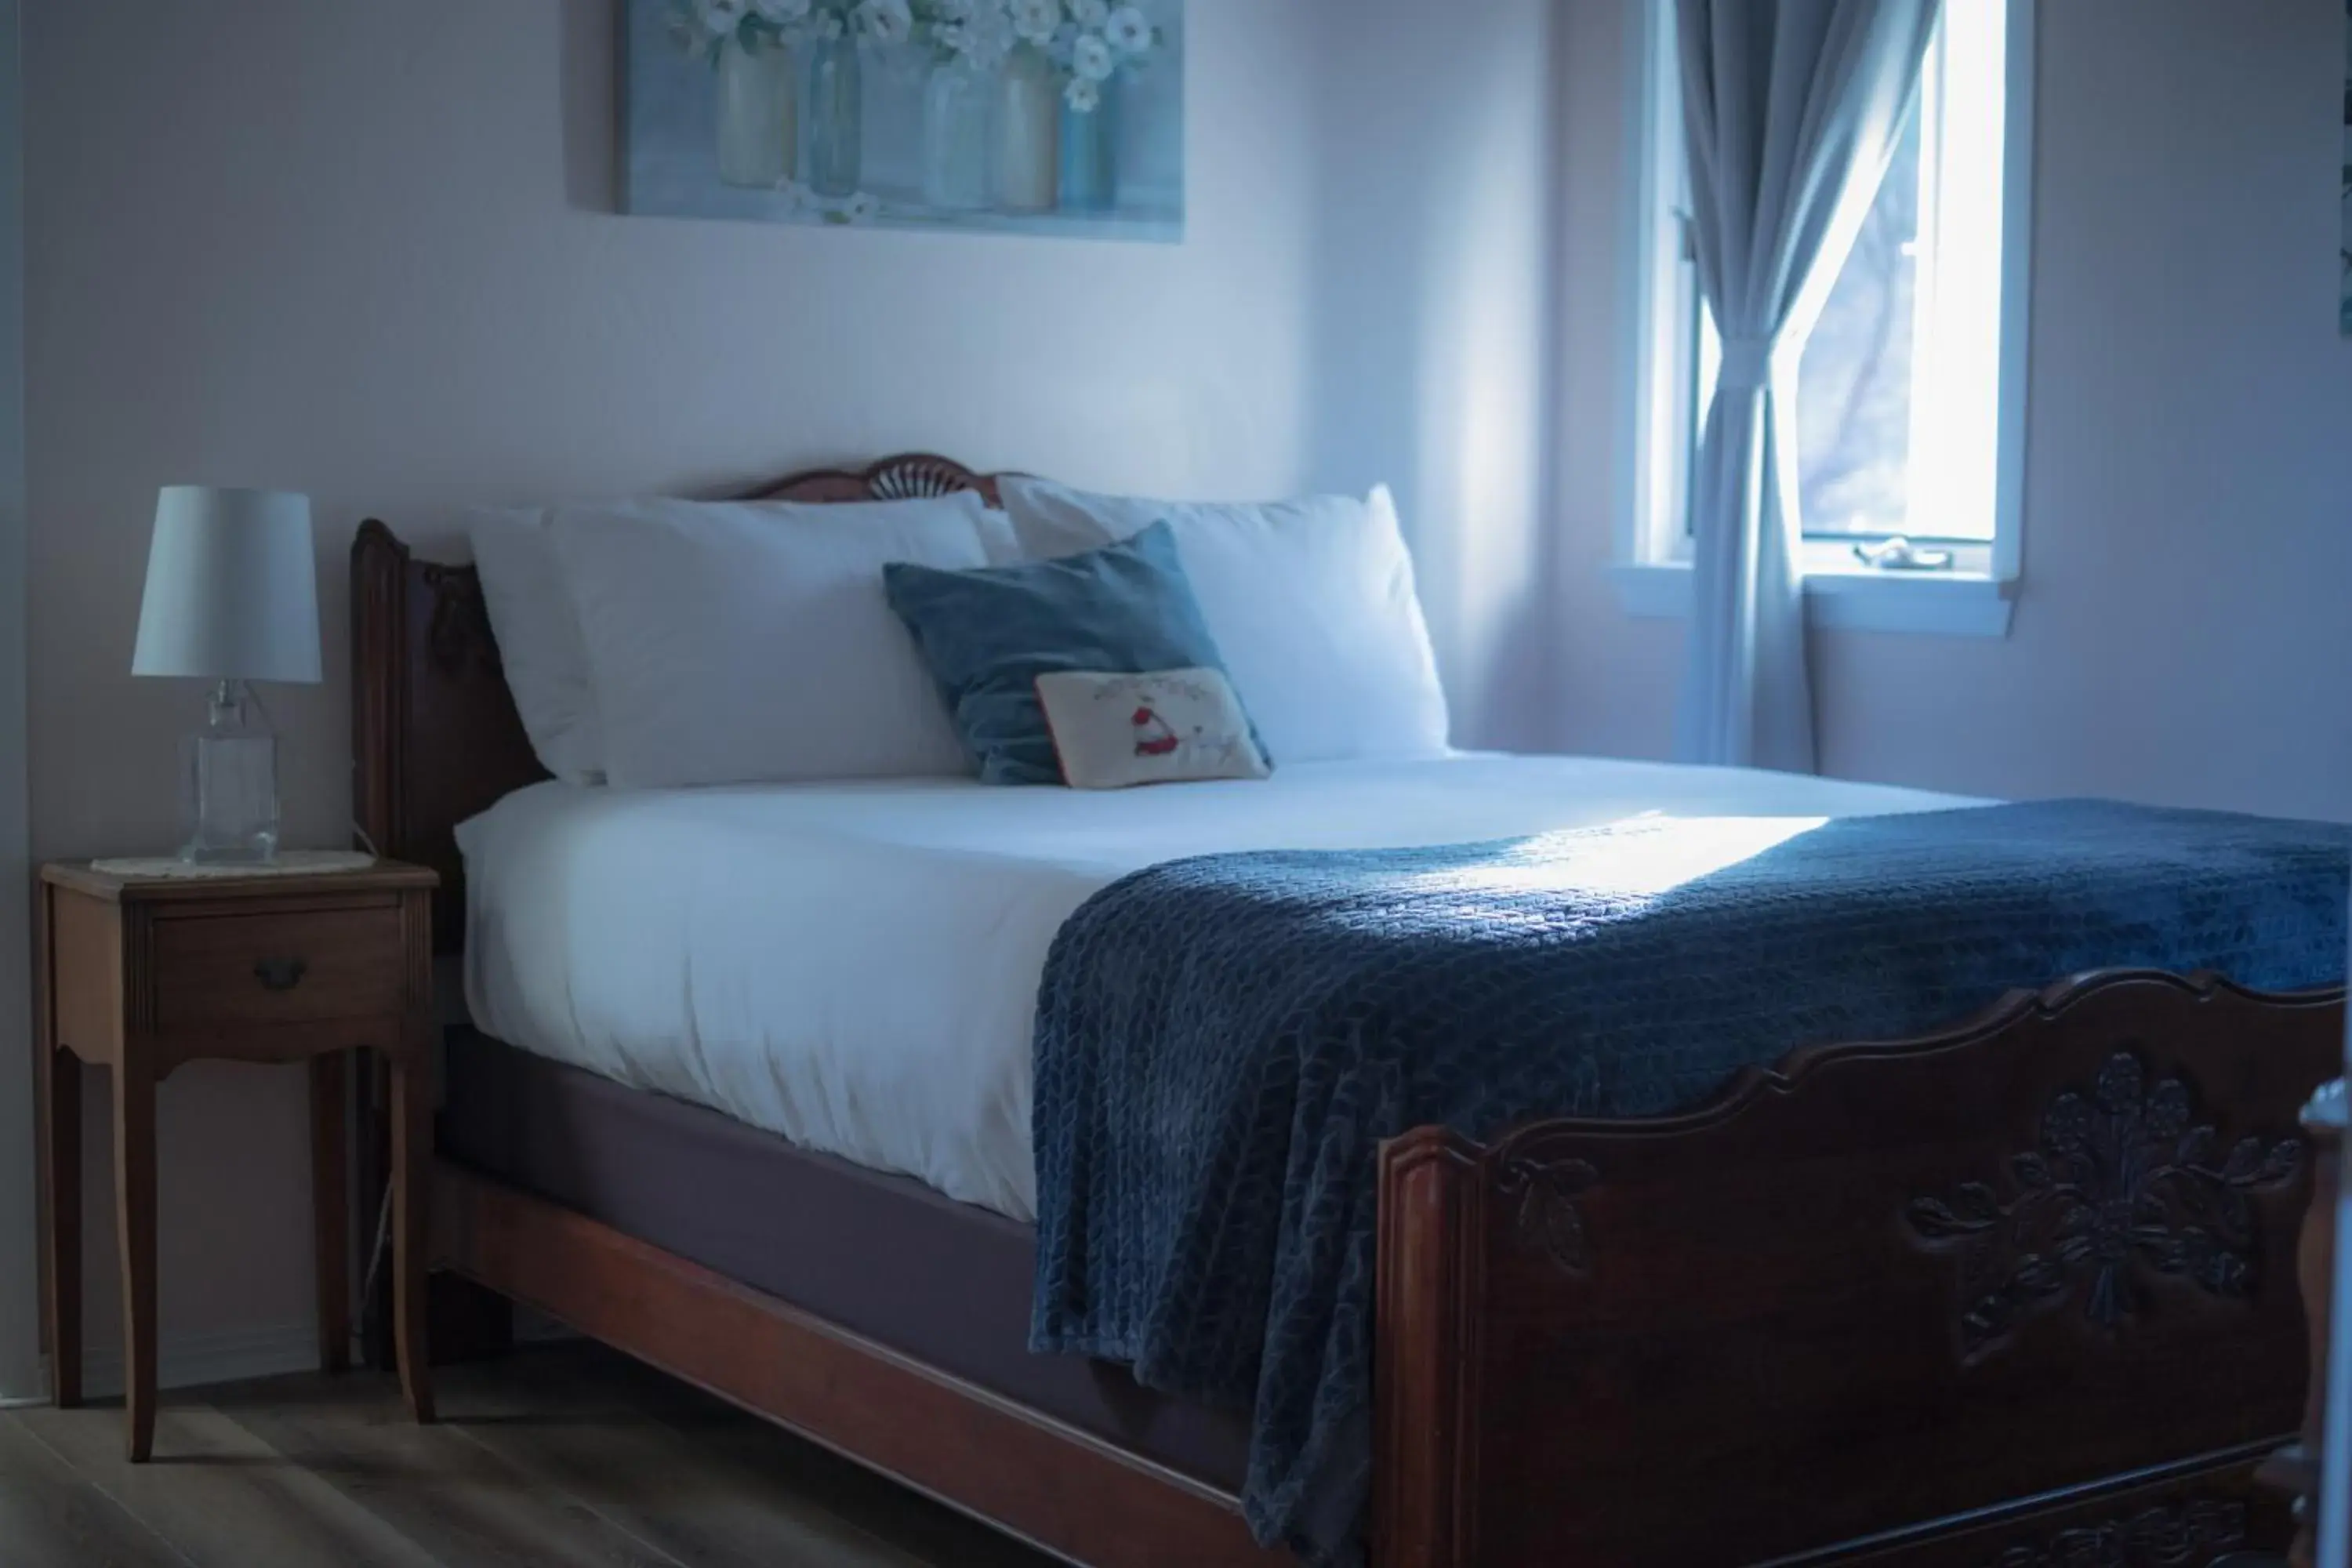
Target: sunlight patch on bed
(1640, 857)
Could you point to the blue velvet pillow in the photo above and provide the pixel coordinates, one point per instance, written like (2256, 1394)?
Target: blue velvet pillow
(988, 634)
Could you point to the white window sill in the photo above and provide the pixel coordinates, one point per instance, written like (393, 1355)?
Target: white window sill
(1943, 604)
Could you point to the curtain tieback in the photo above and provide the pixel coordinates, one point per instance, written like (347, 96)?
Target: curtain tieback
(1747, 364)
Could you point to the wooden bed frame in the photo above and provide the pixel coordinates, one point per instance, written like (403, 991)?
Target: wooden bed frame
(2020, 1295)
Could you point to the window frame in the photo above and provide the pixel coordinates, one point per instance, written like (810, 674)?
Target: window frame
(1662, 349)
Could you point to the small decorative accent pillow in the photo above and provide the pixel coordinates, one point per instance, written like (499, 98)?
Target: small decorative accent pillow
(1176, 726)
(989, 633)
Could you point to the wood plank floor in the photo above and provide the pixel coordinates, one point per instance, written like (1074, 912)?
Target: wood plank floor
(560, 1455)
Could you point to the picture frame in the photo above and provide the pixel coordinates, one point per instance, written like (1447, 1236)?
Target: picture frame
(1049, 118)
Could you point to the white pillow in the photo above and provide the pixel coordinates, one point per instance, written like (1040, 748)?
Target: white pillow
(752, 644)
(1311, 603)
(537, 630)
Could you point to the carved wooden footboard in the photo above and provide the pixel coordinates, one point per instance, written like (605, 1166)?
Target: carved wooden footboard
(2020, 1295)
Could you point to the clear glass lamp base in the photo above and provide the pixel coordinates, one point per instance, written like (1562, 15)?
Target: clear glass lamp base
(229, 784)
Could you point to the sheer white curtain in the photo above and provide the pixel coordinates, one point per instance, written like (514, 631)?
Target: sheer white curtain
(1792, 110)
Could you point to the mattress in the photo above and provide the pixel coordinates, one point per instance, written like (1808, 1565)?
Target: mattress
(854, 967)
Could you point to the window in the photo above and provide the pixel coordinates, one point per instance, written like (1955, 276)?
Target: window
(1908, 406)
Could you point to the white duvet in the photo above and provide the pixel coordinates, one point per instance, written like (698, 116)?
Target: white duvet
(855, 966)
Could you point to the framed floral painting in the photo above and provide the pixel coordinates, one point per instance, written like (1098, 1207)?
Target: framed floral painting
(1047, 117)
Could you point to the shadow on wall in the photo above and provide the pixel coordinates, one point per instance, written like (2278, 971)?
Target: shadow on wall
(1432, 325)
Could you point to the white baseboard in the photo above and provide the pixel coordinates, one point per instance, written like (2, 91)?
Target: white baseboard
(192, 1361)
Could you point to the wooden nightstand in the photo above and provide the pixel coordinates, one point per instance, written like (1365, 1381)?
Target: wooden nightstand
(143, 976)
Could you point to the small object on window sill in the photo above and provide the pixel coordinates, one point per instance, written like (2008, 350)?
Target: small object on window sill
(1899, 554)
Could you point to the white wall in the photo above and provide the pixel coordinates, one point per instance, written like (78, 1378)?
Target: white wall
(2182, 634)
(368, 252)
(1436, 209)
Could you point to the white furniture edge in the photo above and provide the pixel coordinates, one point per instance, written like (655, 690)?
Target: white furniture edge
(200, 1359)
(20, 1364)
(1940, 603)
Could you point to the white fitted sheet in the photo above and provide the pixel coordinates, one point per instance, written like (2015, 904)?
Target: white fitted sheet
(855, 966)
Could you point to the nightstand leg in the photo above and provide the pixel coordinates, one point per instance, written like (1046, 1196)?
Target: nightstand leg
(134, 1198)
(412, 1147)
(330, 1211)
(61, 1235)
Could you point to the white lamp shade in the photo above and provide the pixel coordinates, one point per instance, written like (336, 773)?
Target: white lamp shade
(232, 588)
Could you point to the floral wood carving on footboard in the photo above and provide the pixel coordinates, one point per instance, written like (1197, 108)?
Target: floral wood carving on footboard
(2124, 1183)
(1863, 1298)
(2181, 1535)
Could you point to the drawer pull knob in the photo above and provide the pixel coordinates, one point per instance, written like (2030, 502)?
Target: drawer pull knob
(279, 974)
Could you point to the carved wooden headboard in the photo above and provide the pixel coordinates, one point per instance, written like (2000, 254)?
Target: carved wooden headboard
(435, 736)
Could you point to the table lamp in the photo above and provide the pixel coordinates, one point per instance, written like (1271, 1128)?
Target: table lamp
(232, 597)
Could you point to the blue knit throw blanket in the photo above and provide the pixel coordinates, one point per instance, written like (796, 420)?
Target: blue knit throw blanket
(1222, 1043)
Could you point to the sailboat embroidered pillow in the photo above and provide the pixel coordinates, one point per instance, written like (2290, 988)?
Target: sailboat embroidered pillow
(1177, 726)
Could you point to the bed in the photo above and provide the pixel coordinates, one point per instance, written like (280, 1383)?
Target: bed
(1737, 1334)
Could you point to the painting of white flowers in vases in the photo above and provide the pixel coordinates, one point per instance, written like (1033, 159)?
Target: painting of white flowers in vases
(1047, 117)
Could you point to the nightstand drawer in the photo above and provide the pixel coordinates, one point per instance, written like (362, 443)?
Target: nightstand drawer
(278, 968)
